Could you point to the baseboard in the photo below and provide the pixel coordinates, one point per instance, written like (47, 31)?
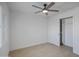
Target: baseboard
(68, 45)
(53, 43)
(75, 52)
(30, 45)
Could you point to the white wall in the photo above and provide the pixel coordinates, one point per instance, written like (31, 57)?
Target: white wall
(27, 29)
(4, 49)
(53, 28)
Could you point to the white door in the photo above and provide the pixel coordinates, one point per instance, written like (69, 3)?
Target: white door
(69, 32)
(4, 43)
(63, 32)
(0, 28)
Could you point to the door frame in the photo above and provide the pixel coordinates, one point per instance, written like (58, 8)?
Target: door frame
(60, 37)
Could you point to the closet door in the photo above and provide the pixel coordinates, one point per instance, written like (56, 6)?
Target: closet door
(0, 28)
(69, 32)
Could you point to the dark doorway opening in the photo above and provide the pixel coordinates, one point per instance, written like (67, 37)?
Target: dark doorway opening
(61, 43)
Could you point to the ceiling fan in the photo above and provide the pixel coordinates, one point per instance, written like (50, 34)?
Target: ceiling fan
(46, 8)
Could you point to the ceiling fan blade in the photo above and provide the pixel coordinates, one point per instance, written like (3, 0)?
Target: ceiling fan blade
(36, 7)
(38, 12)
(54, 10)
(50, 5)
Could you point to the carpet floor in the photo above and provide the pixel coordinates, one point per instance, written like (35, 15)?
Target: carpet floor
(44, 50)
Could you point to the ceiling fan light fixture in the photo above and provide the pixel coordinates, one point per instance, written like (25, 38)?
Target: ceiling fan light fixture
(45, 11)
(46, 8)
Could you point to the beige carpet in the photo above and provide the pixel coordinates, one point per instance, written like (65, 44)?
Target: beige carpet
(44, 50)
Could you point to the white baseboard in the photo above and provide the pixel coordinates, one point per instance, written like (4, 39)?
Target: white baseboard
(29, 45)
(54, 43)
(75, 52)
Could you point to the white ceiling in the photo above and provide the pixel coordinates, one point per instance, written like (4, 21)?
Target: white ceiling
(27, 6)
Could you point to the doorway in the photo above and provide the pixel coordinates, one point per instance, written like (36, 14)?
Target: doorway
(66, 31)
(61, 43)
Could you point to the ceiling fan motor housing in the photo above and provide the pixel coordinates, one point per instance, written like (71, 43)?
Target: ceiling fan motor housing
(45, 6)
